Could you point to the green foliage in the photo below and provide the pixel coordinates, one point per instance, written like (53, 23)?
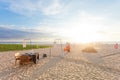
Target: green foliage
(12, 47)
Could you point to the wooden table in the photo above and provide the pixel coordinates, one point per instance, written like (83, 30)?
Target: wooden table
(28, 57)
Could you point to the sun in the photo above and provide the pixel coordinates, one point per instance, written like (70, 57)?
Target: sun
(82, 35)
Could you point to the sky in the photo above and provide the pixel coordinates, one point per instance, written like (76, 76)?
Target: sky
(73, 20)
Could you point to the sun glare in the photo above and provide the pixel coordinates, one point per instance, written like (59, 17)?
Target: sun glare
(84, 28)
(82, 34)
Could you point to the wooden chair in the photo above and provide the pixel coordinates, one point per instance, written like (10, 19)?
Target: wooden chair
(16, 59)
(24, 59)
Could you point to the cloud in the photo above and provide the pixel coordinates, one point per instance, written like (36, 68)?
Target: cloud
(31, 7)
(53, 9)
(8, 26)
(11, 33)
(22, 7)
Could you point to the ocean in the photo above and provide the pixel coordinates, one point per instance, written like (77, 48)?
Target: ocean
(41, 43)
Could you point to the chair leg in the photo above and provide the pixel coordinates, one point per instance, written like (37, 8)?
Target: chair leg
(15, 61)
(38, 56)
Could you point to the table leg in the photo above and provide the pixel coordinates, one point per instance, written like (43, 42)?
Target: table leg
(34, 59)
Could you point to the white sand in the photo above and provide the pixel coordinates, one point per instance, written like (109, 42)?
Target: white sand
(75, 65)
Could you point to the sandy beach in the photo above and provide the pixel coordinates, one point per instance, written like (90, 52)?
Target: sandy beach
(75, 65)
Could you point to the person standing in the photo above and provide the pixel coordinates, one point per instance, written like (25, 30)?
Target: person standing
(116, 46)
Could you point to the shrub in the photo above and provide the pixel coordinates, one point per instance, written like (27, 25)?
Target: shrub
(13, 47)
